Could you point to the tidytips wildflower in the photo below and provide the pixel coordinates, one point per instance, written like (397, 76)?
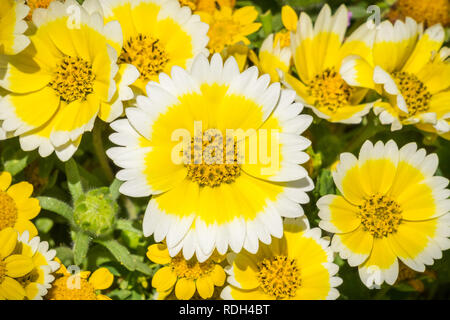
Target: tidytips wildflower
(13, 26)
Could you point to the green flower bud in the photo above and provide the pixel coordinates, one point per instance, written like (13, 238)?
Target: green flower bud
(95, 212)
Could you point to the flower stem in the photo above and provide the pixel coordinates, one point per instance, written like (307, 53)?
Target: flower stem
(365, 133)
(97, 141)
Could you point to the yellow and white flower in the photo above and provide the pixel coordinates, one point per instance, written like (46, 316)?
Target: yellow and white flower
(70, 72)
(318, 53)
(415, 78)
(157, 35)
(198, 206)
(185, 277)
(298, 266)
(80, 286)
(17, 207)
(13, 26)
(39, 280)
(290, 20)
(392, 207)
(274, 59)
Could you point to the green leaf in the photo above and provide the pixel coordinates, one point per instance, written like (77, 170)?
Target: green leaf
(44, 225)
(266, 20)
(65, 254)
(81, 247)
(127, 225)
(325, 183)
(114, 189)
(142, 266)
(120, 252)
(73, 179)
(56, 206)
(16, 160)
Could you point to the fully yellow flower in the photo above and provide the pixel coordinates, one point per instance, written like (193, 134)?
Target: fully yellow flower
(12, 266)
(157, 35)
(228, 27)
(16, 206)
(392, 207)
(186, 276)
(12, 26)
(414, 79)
(39, 280)
(318, 53)
(229, 198)
(80, 286)
(298, 266)
(69, 71)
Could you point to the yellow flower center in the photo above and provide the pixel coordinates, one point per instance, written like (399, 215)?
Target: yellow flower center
(284, 38)
(189, 3)
(8, 211)
(416, 94)
(68, 288)
(223, 31)
(330, 91)
(214, 169)
(2, 270)
(73, 79)
(34, 4)
(429, 11)
(380, 215)
(147, 54)
(279, 276)
(191, 269)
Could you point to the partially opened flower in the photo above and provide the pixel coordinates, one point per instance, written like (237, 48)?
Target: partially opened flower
(69, 71)
(220, 153)
(17, 207)
(318, 52)
(157, 35)
(39, 280)
(13, 26)
(228, 27)
(81, 285)
(12, 266)
(415, 81)
(290, 20)
(298, 266)
(392, 207)
(185, 277)
(274, 59)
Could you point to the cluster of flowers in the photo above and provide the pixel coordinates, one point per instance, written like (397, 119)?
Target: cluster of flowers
(234, 231)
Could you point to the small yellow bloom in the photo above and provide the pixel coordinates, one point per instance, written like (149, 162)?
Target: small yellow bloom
(16, 206)
(186, 276)
(392, 208)
(12, 26)
(299, 266)
(81, 286)
(228, 27)
(207, 5)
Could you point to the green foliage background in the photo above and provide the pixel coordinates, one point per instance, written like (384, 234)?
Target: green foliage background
(123, 251)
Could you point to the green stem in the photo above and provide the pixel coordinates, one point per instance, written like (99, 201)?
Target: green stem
(97, 141)
(56, 206)
(74, 180)
(365, 133)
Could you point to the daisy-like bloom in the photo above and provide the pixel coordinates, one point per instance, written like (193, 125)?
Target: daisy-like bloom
(80, 286)
(430, 12)
(318, 53)
(207, 5)
(228, 27)
(38, 281)
(69, 71)
(415, 81)
(13, 26)
(17, 207)
(186, 276)
(298, 266)
(392, 207)
(12, 266)
(157, 35)
(273, 59)
(35, 4)
(231, 198)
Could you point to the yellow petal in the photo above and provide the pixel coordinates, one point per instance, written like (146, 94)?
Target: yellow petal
(185, 289)
(101, 279)
(5, 180)
(158, 253)
(289, 18)
(205, 287)
(18, 265)
(29, 208)
(11, 289)
(23, 225)
(164, 279)
(8, 240)
(103, 297)
(245, 271)
(218, 275)
(20, 192)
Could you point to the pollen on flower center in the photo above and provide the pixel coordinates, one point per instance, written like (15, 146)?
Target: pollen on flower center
(8, 211)
(35, 4)
(189, 3)
(73, 79)
(71, 288)
(191, 269)
(215, 167)
(380, 215)
(414, 91)
(330, 91)
(431, 12)
(279, 276)
(146, 53)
